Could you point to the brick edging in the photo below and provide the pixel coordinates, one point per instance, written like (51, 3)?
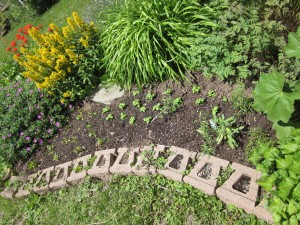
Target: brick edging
(73, 172)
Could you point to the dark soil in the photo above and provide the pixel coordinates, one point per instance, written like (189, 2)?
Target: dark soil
(89, 131)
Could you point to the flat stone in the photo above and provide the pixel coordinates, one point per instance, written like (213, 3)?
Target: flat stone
(108, 95)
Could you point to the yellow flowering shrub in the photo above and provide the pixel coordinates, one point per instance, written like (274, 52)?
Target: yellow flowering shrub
(64, 61)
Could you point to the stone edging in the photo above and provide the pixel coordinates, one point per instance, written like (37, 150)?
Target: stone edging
(111, 161)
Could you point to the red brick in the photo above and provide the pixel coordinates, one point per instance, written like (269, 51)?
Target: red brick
(261, 212)
(142, 170)
(119, 168)
(77, 177)
(173, 173)
(46, 175)
(229, 195)
(208, 186)
(109, 156)
(58, 182)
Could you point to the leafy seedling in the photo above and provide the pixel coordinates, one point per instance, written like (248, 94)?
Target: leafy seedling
(79, 149)
(143, 109)
(199, 101)
(167, 92)
(122, 105)
(109, 117)
(105, 110)
(135, 93)
(147, 119)
(132, 120)
(177, 102)
(225, 99)
(122, 116)
(212, 93)
(157, 107)
(79, 116)
(196, 89)
(150, 96)
(101, 141)
(136, 103)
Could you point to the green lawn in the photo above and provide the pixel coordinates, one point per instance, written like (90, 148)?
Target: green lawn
(126, 200)
(56, 14)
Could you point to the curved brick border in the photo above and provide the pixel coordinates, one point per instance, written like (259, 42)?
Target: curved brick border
(111, 161)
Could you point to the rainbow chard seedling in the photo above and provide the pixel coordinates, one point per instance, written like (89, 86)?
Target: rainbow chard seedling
(212, 93)
(136, 103)
(196, 89)
(132, 120)
(168, 91)
(199, 101)
(135, 93)
(150, 96)
(122, 105)
(109, 117)
(143, 109)
(105, 110)
(157, 107)
(122, 116)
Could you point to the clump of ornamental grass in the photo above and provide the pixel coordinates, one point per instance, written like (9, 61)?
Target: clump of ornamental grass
(147, 41)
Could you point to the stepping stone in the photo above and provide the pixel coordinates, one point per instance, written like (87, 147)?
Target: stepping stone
(108, 95)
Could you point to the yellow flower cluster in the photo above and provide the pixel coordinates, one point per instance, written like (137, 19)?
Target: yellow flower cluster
(55, 53)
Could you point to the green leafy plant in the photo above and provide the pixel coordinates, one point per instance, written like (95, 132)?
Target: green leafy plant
(79, 116)
(32, 165)
(135, 93)
(141, 47)
(143, 109)
(122, 105)
(105, 109)
(109, 117)
(225, 128)
(101, 141)
(279, 165)
(79, 149)
(147, 119)
(199, 101)
(206, 132)
(225, 99)
(150, 96)
(196, 89)
(224, 175)
(132, 120)
(212, 93)
(136, 103)
(168, 91)
(157, 107)
(123, 116)
(240, 101)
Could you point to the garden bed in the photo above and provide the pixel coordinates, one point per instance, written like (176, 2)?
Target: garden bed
(88, 130)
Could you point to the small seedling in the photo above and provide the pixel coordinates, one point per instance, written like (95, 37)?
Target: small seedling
(225, 99)
(177, 101)
(132, 120)
(122, 105)
(143, 109)
(196, 89)
(167, 92)
(101, 141)
(212, 93)
(79, 149)
(55, 157)
(32, 164)
(135, 93)
(150, 96)
(136, 103)
(79, 116)
(147, 119)
(92, 134)
(105, 110)
(157, 107)
(109, 117)
(91, 161)
(122, 116)
(199, 101)
(78, 169)
(88, 126)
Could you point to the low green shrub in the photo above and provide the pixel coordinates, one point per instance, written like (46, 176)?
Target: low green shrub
(41, 6)
(9, 71)
(28, 116)
(279, 165)
(148, 41)
(241, 47)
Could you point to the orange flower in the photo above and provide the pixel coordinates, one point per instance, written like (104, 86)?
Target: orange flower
(8, 49)
(13, 44)
(14, 49)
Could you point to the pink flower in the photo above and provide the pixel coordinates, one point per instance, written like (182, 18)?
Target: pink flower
(57, 124)
(9, 135)
(34, 141)
(21, 133)
(20, 89)
(49, 131)
(39, 116)
(31, 91)
(3, 137)
(70, 106)
(28, 149)
(27, 138)
(41, 141)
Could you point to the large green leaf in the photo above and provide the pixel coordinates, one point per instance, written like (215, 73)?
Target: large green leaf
(270, 97)
(285, 187)
(296, 192)
(293, 207)
(267, 182)
(292, 49)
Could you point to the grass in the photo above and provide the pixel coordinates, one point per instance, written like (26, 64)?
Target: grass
(126, 200)
(56, 14)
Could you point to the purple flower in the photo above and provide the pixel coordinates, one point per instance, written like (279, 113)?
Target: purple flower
(39, 116)
(27, 138)
(41, 141)
(39, 90)
(34, 141)
(41, 95)
(7, 94)
(57, 124)
(49, 131)
(17, 94)
(31, 91)
(21, 133)
(28, 149)
(9, 135)
(70, 106)
(20, 89)
(51, 120)
(3, 137)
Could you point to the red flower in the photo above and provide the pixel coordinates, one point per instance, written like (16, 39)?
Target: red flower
(21, 37)
(20, 30)
(14, 49)
(28, 27)
(18, 36)
(22, 45)
(26, 32)
(25, 40)
(8, 49)
(13, 43)
(17, 55)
